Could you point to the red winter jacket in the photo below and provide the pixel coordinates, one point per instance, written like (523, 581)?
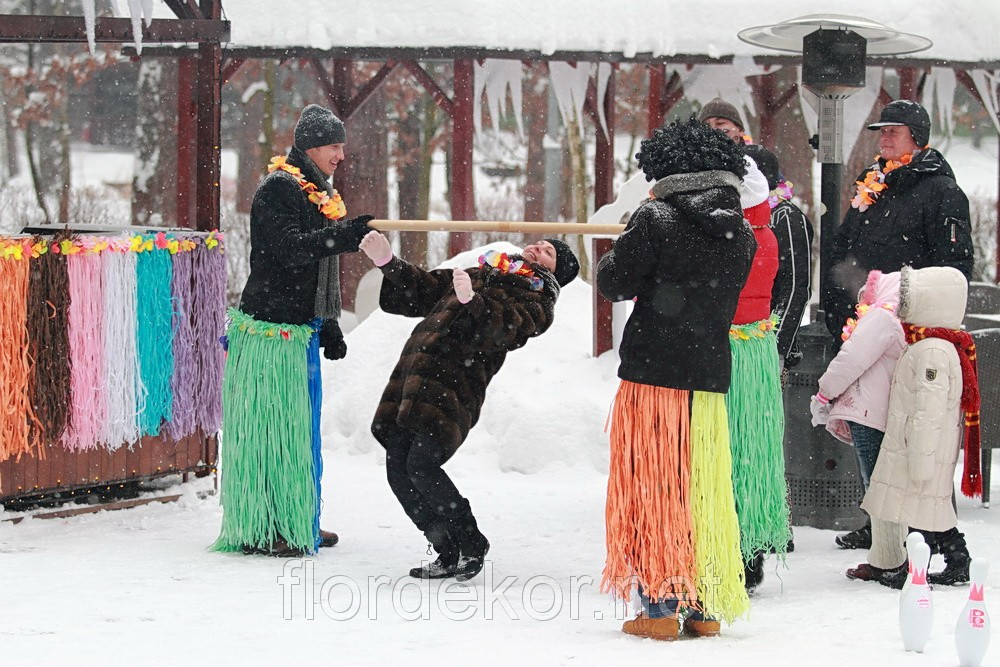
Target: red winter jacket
(755, 299)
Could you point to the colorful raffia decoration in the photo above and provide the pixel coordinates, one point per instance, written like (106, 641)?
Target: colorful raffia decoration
(125, 393)
(754, 329)
(872, 187)
(502, 263)
(183, 382)
(331, 206)
(208, 315)
(88, 411)
(14, 368)
(154, 272)
(784, 192)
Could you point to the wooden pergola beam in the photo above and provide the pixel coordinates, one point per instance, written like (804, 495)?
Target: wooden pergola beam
(184, 9)
(430, 85)
(72, 29)
(368, 89)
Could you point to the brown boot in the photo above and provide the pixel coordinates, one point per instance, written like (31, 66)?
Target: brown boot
(665, 629)
(705, 628)
(327, 539)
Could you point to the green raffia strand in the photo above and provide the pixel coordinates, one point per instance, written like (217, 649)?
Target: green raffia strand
(716, 529)
(756, 428)
(268, 490)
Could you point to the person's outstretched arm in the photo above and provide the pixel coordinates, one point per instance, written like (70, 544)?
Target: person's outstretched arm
(406, 289)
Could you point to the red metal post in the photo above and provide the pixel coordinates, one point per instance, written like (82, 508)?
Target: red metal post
(187, 73)
(907, 83)
(654, 103)
(462, 202)
(209, 149)
(604, 178)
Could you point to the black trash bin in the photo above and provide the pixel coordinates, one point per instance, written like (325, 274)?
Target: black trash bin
(824, 484)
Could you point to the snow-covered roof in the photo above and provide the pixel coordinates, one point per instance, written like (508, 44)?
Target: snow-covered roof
(962, 30)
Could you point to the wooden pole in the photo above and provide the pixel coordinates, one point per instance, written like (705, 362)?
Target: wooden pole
(494, 226)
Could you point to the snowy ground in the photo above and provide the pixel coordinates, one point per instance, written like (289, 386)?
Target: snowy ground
(139, 586)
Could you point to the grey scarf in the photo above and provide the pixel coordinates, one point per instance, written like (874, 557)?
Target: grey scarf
(327, 304)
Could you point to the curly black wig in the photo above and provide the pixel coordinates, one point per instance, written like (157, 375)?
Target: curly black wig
(686, 147)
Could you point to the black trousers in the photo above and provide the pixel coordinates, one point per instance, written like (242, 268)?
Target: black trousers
(413, 467)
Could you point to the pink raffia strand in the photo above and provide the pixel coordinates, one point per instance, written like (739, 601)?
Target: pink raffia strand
(89, 404)
(184, 381)
(209, 311)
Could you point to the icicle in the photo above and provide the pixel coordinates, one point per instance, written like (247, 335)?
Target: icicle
(603, 74)
(495, 76)
(857, 111)
(940, 88)
(147, 11)
(135, 12)
(986, 86)
(116, 11)
(89, 15)
(570, 86)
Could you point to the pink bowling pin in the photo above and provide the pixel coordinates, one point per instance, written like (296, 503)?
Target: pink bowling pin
(972, 630)
(916, 613)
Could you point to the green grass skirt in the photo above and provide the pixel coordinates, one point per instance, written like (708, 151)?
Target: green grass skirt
(756, 430)
(268, 484)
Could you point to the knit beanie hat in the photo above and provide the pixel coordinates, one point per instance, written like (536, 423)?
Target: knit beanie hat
(766, 162)
(719, 108)
(318, 127)
(910, 114)
(567, 266)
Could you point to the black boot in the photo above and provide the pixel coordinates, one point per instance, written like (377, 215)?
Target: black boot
(447, 561)
(896, 577)
(856, 539)
(956, 559)
(753, 571)
(472, 547)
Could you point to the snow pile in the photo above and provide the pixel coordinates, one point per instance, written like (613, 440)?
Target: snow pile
(551, 386)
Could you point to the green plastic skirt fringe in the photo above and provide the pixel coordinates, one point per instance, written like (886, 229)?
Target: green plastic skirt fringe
(268, 486)
(716, 529)
(756, 430)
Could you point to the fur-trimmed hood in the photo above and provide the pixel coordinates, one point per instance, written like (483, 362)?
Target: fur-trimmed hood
(934, 296)
(709, 198)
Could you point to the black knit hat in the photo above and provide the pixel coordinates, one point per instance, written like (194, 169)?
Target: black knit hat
(318, 127)
(719, 108)
(766, 162)
(910, 114)
(567, 266)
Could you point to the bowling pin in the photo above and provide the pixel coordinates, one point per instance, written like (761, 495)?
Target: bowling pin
(911, 540)
(916, 613)
(972, 631)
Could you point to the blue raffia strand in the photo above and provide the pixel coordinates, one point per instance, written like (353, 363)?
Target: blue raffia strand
(154, 271)
(316, 403)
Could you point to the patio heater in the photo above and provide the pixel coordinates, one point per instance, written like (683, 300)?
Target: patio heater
(823, 482)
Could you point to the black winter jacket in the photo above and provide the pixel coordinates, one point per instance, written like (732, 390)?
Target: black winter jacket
(288, 237)
(439, 383)
(920, 220)
(684, 256)
(793, 283)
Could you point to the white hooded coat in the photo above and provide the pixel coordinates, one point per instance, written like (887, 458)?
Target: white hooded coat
(912, 483)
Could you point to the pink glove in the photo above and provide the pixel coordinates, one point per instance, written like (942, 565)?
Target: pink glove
(463, 285)
(376, 246)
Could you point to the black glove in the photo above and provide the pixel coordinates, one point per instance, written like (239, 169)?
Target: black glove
(331, 339)
(358, 228)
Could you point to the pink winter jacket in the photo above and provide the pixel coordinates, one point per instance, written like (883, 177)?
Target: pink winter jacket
(858, 379)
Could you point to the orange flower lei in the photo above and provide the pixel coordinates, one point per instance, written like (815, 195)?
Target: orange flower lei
(331, 207)
(874, 184)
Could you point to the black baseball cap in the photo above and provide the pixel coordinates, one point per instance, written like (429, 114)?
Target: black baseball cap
(910, 114)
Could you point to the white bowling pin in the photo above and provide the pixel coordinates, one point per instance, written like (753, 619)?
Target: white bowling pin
(911, 539)
(916, 613)
(972, 631)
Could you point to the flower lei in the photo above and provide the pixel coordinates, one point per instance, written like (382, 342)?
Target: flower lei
(860, 310)
(870, 189)
(500, 261)
(754, 329)
(332, 207)
(783, 192)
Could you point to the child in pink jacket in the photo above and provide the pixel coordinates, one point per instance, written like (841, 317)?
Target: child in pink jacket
(853, 397)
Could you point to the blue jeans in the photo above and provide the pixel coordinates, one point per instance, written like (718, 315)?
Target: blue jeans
(867, 445)
(665, 607)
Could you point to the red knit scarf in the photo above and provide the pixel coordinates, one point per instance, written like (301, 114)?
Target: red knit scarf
(972, 480)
